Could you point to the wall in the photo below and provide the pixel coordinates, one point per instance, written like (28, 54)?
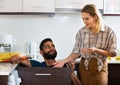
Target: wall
(114, 23)
(61, 28)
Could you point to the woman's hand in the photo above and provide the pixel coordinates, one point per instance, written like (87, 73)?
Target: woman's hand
(89, 50)
(59, 64)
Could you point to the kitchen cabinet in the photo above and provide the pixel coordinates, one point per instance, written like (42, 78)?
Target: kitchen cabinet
(68, 4)
(6, 74)
(38, 6)
(98, 3)
(44, 6)
(27, 6)
(10, 5)
(111, 7)
(3, 80)
(114, 74)
(77, 4)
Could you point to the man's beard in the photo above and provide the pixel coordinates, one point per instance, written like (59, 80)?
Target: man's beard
(50, 56)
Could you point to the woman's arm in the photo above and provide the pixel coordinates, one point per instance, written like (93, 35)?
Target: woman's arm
(100, 51)
(104, 52)
(71, 57)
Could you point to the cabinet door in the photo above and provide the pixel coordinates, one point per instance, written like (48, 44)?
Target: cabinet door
(78, 4)
(68, 4)
(10, 5)
(38, 6)
(112, 7)
(96, 2)
(100, 4)
(114, 74)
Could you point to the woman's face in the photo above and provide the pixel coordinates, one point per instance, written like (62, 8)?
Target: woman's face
(88, 20)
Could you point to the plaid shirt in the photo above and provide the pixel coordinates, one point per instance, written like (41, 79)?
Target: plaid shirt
(105, 39)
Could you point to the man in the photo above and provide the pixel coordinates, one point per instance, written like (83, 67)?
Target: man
(49, 53)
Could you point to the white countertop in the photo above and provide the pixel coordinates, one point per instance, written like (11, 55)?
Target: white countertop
(114, 62)
(6, 68)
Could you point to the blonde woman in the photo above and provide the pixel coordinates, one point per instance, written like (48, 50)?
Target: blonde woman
(94, 43)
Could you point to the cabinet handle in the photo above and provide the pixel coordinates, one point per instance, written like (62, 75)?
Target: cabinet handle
(43, 74)
(37, 7)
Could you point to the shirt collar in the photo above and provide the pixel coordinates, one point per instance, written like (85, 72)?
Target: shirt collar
(102, 27)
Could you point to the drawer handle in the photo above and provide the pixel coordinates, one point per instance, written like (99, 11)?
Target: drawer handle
(43, 74)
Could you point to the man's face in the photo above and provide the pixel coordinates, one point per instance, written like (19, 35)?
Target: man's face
(49, 51)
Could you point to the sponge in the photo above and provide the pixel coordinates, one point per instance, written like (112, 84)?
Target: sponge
(8, 55)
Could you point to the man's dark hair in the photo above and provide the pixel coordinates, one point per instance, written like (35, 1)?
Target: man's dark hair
(43, 42)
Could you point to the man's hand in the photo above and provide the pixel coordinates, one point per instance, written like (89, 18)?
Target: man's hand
(75, 80)
(15, 59)
(71, 65)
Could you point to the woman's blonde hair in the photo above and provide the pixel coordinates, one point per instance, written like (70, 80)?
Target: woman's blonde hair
(93, 11)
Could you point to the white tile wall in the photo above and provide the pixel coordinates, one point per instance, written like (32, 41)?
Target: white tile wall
(61, 28)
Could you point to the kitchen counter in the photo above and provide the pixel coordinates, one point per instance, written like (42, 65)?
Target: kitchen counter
(5, 70)
(114, 73)
(114, 60)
